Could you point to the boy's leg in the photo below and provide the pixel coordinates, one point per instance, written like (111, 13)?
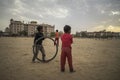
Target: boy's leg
(69, 58)
(55, 42)
(43, 52)
(58, 41)
(35, 54)
(63, 60)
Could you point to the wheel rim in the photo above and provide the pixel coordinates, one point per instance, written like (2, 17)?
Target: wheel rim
(50, 59)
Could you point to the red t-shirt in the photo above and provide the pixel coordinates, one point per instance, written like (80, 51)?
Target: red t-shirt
(67, 40)
(56, 35)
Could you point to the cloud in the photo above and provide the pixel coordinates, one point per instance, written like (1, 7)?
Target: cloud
(114, 13)
(102, 11)
(57, 12)
(40, 11)
(107, 28)
(98, 28)
(113, 28)
(119, 20)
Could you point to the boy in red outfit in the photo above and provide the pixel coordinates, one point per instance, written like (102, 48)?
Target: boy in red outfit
(67, 40)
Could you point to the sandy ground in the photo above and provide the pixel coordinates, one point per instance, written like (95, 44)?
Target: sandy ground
(92, 59)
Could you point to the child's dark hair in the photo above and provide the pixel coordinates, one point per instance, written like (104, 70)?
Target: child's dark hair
(67, 28)
(56, 30)
(39, 27)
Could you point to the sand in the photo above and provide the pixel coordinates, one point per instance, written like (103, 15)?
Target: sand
(92, 60)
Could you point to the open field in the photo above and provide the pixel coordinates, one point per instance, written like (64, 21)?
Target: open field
(92, 60)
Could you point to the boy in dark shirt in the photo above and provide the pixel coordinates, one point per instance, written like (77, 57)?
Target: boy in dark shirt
(39, 45)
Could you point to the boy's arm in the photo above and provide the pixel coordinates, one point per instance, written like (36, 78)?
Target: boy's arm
(71, 39)
(35, 38)
(38, 36)
(43, 36)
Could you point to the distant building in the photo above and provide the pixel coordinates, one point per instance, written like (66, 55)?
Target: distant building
(18, 27)
(47, 29)
(99, 34)
(30, 28)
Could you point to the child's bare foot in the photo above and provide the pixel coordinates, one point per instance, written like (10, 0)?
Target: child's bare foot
(62, 70)
(72, 71)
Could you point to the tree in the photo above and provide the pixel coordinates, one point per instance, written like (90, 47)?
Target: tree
(84, 34)
(52, 34)
(23, 33)
(1, 33)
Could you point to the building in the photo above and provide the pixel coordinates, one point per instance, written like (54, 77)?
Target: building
(47, 29)
(99, 34)
(18, 28)
(30, 28)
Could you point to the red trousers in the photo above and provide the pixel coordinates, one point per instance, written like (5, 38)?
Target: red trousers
(57, 41)
(66, 54)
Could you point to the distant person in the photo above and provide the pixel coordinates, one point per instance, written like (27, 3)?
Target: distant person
(57, 38)
(67, 40)
(39, 45)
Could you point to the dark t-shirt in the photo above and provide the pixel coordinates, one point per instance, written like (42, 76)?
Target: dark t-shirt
(37, 36)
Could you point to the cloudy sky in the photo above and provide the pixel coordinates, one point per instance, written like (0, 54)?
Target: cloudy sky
(81, 15)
